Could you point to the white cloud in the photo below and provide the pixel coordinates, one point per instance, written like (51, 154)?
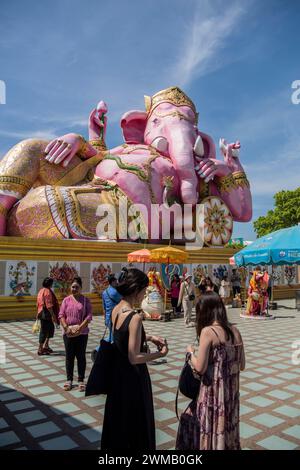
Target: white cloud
(205, 39)
(45, 134)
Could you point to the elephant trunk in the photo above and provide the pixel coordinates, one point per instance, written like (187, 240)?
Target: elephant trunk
(182, 155)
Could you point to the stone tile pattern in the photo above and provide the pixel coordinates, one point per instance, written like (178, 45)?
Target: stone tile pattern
(36, 413)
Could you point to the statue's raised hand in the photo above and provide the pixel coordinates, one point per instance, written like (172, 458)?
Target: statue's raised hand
(98, 122)
(63, 149)
(230, 153)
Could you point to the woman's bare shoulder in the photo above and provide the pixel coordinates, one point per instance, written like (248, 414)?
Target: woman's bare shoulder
(236, 333)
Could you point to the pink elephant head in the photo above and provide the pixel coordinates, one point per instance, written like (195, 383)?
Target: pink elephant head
(170, 125)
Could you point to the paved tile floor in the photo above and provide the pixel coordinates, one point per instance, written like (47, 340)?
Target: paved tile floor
(36, 413)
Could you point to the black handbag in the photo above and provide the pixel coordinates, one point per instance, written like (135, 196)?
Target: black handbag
(99, 381)
(189, 383)
(45, 315)
(100, 378)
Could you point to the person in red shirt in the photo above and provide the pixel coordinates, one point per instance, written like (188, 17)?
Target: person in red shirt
(47, 312)
(175, 289)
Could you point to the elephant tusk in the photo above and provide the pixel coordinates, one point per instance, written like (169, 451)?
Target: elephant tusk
(199, 147)
(161, 144)
(165, 198)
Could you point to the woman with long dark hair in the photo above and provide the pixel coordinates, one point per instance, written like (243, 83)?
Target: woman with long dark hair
(47, 312)
(211, 422)
(129, 416)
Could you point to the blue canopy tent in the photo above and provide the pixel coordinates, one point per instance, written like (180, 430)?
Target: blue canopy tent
(280, 247)
(277, 248)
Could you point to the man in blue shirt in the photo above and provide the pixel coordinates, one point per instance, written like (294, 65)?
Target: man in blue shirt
(110, 298)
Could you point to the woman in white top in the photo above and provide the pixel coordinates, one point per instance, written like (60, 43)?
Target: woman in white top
(187, 295)
(224, 291)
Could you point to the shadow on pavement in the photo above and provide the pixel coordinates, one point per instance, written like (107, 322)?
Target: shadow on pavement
(30, 424)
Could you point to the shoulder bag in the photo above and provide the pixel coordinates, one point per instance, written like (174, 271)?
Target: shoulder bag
(100, 378)
(190, 381)
(45, 314)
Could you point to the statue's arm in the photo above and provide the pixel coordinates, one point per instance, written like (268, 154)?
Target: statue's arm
(228, 180)
(64, 148)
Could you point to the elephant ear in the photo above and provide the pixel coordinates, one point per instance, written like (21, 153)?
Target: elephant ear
(133, 124)
(208, 144)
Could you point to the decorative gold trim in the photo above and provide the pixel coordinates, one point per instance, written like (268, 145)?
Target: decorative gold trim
(235, 180)
(204, 190)
(147, 102)
(240, 179)
(175, 114)
(15, 184)
(226, 183)
(98, 144)
(3, 210)
(86, 164)
(16, 248)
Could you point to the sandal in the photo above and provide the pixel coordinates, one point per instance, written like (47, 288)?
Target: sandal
(68, 386)
(44, 352)
(49, 350)
(81, 387)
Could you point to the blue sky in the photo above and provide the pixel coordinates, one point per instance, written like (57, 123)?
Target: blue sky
(236, 60)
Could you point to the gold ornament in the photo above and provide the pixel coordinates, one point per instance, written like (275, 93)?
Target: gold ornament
(3, 210)
(173, 95)
(240, 179)
(226, 183)
(15, 185)
(218, 221)
(175, 114)
(99, 144)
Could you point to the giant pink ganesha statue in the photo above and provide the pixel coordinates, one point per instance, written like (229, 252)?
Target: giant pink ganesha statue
(54, 189)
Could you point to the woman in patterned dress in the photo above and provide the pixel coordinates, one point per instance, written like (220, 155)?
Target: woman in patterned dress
(211, 422)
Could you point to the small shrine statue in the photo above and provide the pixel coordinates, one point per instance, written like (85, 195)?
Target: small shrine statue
(152, 304)
(257, 302)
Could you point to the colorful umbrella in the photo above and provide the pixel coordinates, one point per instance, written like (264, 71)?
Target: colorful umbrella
(168, 254)
(139, 256)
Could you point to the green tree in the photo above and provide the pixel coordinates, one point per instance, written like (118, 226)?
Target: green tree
(286, 213)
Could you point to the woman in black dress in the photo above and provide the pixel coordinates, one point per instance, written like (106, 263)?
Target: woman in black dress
(129, 415)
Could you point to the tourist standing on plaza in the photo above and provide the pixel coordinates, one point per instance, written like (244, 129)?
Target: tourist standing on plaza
(75, 314)
(47, 313)
(175, 289)
(110, 298)
(224, 290)
(235, 282)
(202, 285)
(210, 286)
(187, 297)
(129, 417)
(211, 421)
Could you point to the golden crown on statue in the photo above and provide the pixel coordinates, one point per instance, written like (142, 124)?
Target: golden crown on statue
(173, 95)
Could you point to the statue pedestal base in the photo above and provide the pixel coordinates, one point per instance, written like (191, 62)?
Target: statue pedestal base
(257, 317)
